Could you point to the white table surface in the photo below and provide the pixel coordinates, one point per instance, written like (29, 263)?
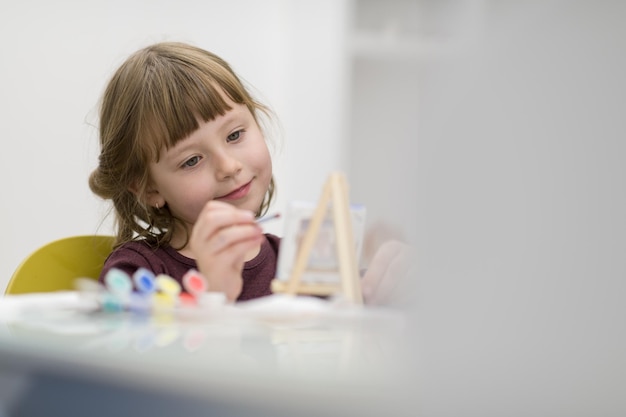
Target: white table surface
(273, 354)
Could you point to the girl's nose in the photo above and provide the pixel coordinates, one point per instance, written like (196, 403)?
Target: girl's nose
(226, 166)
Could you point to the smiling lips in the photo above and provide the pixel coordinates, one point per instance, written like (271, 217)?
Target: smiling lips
(238, 193)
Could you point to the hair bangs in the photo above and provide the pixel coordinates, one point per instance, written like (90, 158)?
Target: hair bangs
(177, 97)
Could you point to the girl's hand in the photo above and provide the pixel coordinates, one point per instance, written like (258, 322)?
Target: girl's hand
(388, 270)
(221, 241)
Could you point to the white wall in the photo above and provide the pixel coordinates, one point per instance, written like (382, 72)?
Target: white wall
(57, 57)
(522, 216)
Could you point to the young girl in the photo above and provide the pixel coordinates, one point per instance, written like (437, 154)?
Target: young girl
(188, 170)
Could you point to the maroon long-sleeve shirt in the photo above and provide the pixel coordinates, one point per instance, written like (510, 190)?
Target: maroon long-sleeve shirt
(258, 273)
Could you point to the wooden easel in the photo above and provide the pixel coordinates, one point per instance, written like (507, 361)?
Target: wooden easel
(335, 192)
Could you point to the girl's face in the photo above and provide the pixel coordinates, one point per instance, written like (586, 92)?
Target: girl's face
(226, 159)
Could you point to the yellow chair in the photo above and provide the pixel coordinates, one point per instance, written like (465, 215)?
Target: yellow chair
(56, 265)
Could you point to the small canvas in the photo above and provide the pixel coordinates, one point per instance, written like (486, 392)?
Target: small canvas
(323, 263)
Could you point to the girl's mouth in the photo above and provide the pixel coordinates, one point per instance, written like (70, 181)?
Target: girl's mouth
(238, 193)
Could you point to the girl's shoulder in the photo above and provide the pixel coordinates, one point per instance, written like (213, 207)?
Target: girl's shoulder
(274, 241)
(137, 249)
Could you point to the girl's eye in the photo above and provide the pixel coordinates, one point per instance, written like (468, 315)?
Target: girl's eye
(233, 136)
(191, 162)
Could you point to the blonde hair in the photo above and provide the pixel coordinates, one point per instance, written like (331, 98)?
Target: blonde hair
(153, 101)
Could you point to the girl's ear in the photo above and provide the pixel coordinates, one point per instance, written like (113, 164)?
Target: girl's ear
(134, 188)
(150, 196)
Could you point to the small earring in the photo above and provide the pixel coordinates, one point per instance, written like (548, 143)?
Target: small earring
(156, 206)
